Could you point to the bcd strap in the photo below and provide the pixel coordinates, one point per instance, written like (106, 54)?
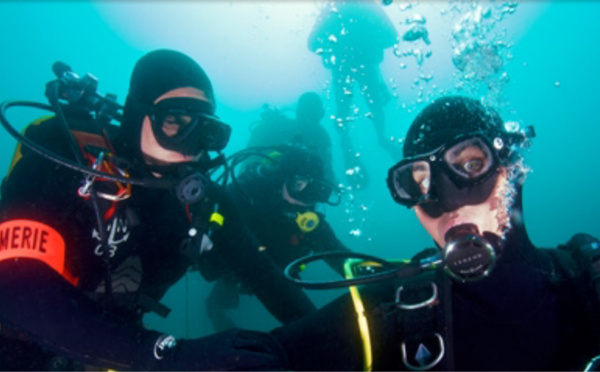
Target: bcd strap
(424, 320)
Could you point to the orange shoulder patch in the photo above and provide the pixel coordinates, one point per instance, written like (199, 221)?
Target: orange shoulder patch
(32, 239)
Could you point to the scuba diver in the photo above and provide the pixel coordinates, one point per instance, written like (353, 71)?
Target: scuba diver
(350, 37)
(99, 221)
(275, 128)
(278, 197)
(485, 298)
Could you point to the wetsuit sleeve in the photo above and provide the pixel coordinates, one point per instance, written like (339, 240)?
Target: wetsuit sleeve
(327, 340)
(45, 308)
(284, 299)
(56, 315)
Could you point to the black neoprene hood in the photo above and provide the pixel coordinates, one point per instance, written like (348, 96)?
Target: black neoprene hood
(447, 118)
(154, 74)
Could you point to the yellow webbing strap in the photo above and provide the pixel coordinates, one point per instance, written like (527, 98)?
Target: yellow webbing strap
(363, 324)
(217, 218)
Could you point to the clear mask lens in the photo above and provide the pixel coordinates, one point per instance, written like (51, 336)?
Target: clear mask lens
(469, 159)
(186, 125)
(173, 121)
(412, 181)
(298, 184)
(174, 114)
(308, 190)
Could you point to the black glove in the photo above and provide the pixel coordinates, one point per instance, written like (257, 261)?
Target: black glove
(586, 252)
(229, 350)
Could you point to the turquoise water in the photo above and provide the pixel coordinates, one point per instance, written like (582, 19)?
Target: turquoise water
(256, 53)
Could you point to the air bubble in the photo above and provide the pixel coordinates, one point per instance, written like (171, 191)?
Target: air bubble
(511, 126)
(356, 233)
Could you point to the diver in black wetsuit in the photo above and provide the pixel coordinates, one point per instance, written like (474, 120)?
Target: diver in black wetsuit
(351, 37)
(275, 128)
(83, 258)
(495, 302)
(277, 198)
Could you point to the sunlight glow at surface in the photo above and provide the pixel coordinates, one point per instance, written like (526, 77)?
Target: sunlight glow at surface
(256, 52)
(243, 46)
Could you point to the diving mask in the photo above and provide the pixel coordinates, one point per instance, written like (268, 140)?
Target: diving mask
(462, 172)
(310, 191)
(186, 125)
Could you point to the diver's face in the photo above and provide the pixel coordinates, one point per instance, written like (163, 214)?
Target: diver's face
(288, 198)
(153, 152)
(492, 215)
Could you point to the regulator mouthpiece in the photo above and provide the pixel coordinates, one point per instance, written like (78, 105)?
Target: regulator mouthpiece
(468, 256)
(192, 188)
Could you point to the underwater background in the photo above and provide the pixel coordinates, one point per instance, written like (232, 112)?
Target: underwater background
(537, 62)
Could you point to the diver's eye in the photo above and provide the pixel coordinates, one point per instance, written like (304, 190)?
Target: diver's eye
(469, 159)
(422, 176)
(473, 166)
